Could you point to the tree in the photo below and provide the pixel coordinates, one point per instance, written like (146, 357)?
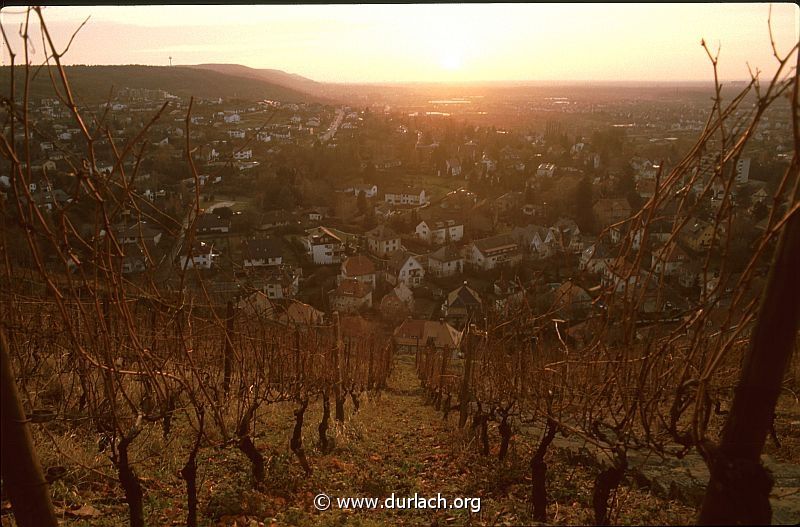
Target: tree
(368, 174)
(760, 211)
(584, 216)
(625, 182)
(739, 486)
(361, 202)
(21, 471)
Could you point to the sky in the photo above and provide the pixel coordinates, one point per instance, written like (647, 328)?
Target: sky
(429, 43)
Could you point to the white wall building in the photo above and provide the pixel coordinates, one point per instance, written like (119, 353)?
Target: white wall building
(439, 232)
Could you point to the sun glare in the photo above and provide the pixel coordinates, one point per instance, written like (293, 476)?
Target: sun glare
(451, 60)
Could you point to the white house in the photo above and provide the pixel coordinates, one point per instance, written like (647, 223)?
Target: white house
(382, 241)
(406, 196)
(495, 251)
(241, 155)
(370, 191)
(323, 246)
(406, 268)
(236, 134)
(281, 283)
(439, 232)
(201, 256)
(445, 261)
(232, 118)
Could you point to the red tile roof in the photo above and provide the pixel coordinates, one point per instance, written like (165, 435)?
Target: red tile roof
(358, 266)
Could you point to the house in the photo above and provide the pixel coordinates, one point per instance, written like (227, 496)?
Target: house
(489, 164)
(565, 236)
(280, 283)
(626, 233)
(265, 252)
(439, 232)
(135, 260)
(236, 134)
(382, 241)
(546, 170)
(276, 218)
(383, 211)
(619, 274)
(462, 303)
(232, 118)
(445, 261)
(370, 191)
(453, 167)
(397, 303)
(650, 296)
(406, 196)
(138, 233)
(508, 293)
(405, 268)
(690, 274)
(413, 335)
(596, 258)
(611, 210)
(200, 255)
(359, 268)
(742, 170)
(668, 259)
(507, 202)
(571, 301)
(242, 155)
(49, 198)
(646, 188)
(492, 252)
(698, 234)
(210, 223)
(297, 313)
(760, 195)
(351, 296)
(534, 240)
(323, 246)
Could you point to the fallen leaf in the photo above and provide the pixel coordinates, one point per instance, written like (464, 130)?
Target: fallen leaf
(84, 511)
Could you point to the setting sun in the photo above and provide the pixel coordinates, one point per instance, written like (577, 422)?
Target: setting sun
(451, 60)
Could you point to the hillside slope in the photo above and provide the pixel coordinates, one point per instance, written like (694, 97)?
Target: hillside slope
(278, 77)
(91, 84)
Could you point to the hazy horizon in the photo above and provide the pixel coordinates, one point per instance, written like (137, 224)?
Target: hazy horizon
(463, 44)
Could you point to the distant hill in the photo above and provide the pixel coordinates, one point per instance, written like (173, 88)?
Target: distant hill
(91, 84)
(281, 78)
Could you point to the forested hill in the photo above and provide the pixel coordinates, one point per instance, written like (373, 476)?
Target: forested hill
(92, 84)
(279, 77)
